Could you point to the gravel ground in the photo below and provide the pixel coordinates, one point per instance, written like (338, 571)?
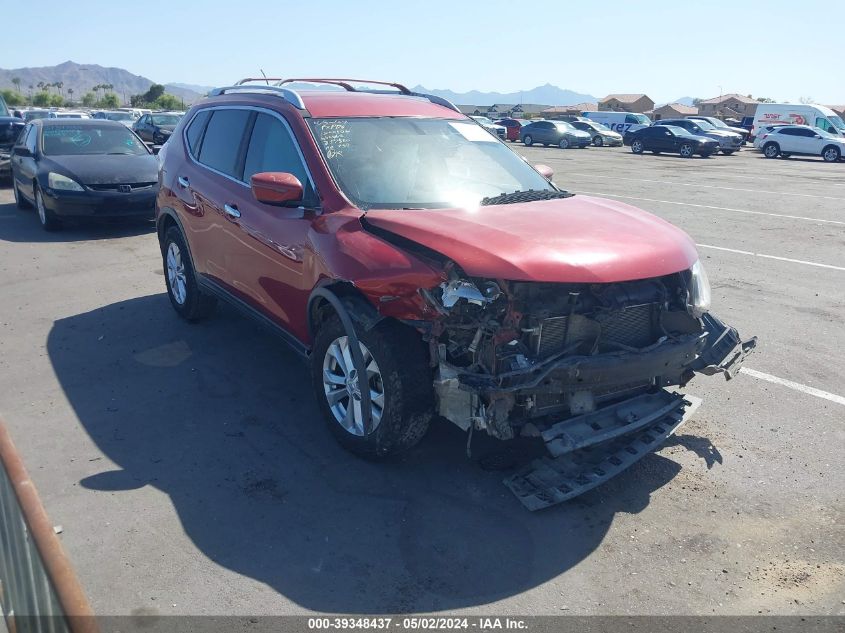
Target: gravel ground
(191, 474)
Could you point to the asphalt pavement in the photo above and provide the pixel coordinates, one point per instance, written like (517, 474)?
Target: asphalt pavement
(192, 475)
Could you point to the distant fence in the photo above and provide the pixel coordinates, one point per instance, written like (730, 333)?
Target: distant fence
(39, 592)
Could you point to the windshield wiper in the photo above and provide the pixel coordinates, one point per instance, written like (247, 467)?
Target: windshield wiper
(530, 195)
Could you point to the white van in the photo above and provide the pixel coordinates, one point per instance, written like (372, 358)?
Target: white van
(798, 114)
(619, 121)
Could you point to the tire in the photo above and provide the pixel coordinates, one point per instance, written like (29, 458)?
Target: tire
(771, 150)
(637, 147)
(598, 141)
(48, 220)
(728, 152)
(527, 140)
(20, 201)
(563, 143)
(831, 154)
(190, 303)
(402, 378)
(686, 150)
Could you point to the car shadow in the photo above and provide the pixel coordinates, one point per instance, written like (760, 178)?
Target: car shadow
(21, 225)
(220, 416)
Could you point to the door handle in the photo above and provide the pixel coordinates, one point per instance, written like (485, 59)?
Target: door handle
(231, 211)
(183, 182)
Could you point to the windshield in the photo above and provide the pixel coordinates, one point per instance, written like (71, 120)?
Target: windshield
(563, 125)
(404, 162)
(165, 119)
(838, 123)
(678, 131)
(704, 125)
(715, 122)
(87, 140)
(35, 114)
(641, 119)
(119, 116)
(482, 119)
(599, 126)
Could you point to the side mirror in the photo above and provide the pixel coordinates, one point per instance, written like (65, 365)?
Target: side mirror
(276, 187)
(545, 171)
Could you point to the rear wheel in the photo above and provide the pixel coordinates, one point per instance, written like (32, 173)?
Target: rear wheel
(831, 154)
(598, 141)
(687, 150)
(771, 150)
(20, 201)
(48, 220)
(563, 143)
(637, 147)
(398, 380)
(527, 140)
(190, 303)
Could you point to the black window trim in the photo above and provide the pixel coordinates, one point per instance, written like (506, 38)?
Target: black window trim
(239, 165)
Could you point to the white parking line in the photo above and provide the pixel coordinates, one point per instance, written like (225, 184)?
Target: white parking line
(782, 259)
(794, 385)
(690, 184)
(707, 206)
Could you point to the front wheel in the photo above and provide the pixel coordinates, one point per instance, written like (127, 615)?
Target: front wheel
(48, 220)
(598, 141)
(398, 380)
(564, 143)
(831, 154)
(771, 150)
(190, 303)
(637, 147)
(687, 150)
(527, 140)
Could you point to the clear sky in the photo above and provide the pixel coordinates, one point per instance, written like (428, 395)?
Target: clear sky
(779, 48)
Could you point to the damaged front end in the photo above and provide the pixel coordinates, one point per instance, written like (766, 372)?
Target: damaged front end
(584, 366)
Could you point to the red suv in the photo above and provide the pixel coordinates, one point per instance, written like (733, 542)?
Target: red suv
(425, 269)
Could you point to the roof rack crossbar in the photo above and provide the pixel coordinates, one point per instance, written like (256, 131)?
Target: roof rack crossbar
(345, 83)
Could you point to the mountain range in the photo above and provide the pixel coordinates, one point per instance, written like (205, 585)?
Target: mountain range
(82, 78)
(545, 95)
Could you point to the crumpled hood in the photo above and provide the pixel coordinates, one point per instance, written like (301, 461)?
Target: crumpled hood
(580, 240)
(107, 169)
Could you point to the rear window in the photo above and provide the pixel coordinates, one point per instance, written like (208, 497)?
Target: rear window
(221, 143)
(195, 130)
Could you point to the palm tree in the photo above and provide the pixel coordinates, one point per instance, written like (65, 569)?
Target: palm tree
(70, 94)
(41, 85)
(60, 85)
(17, 82)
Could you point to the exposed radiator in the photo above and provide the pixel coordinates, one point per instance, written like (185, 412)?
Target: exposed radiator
(633, 326)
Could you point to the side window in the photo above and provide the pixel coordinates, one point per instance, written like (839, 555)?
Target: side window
(824, 124)
(31, 138)
(807, 133)
(272, 148)
(195, 130)
(221, 144)
(21, 140)
(630, 118)
(790, 131)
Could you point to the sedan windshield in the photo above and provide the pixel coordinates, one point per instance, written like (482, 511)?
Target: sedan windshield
(677, 131)
(704, 125)
(563, 125)
(601, 127)
(87, 140)
(714, 122)
(403, 162)
(120, 116)
(165, 119)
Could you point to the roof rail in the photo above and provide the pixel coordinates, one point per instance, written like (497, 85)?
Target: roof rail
(292, 96)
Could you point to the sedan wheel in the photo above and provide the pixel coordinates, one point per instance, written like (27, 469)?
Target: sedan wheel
(831, 154)
(637, 147)
(564, 143)
(686, 150)
(527, 140)
(598, 141)
(176, 274)
(45, 216)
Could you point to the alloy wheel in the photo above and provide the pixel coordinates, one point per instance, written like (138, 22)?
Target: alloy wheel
(598, 141)
(831, 155)
(42, 210)
(176, 274)
(342, 386)
(637, 147)
(686, 150)
(564, 143)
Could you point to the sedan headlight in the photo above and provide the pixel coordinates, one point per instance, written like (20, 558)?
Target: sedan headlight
(62, 183)
(698, 300)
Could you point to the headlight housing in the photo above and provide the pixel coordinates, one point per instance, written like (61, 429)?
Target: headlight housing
(62, 183)
(698, 299)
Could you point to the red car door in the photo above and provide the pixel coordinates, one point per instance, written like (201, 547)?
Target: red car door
(266, 252)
